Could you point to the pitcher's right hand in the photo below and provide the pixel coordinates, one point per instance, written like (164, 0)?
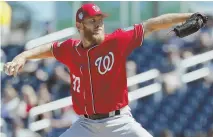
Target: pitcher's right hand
(15, 66)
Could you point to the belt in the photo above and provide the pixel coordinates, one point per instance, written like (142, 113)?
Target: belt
(102, 116)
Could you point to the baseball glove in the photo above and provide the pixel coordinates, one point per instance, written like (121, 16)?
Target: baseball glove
(192, 25)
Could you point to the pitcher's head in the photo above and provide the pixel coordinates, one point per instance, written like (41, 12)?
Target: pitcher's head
(89, 22)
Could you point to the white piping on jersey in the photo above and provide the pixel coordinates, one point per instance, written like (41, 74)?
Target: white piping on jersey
(81, 70)
(76, 48)
(91, 90)
(85, 108)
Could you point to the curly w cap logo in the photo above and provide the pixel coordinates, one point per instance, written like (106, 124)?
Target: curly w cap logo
(96, 8)
(105, 63)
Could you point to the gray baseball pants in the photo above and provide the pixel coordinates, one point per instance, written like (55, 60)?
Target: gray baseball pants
(123, 125)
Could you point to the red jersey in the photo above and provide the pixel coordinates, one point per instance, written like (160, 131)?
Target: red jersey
(98, 74)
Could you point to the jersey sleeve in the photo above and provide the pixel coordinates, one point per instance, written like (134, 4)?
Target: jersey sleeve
(130, 38)
(61, 51)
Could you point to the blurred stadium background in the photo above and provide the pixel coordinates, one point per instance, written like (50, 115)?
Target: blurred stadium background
(170, 79)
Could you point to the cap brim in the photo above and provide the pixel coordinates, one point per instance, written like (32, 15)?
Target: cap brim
(103, 14)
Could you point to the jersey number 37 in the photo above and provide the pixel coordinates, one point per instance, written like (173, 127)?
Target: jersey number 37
(76, 83)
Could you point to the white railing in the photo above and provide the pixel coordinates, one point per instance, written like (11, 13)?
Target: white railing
(139, 78)
(51, 37)
(197, 59)
(197, 74)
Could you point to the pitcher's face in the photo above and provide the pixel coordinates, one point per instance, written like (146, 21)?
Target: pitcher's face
(93, 29)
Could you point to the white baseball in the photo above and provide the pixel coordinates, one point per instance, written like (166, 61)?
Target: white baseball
(7, 72)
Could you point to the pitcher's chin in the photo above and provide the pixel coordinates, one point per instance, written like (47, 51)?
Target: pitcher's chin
(99, 38)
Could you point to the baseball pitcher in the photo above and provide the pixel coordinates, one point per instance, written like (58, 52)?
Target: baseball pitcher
(97, 69)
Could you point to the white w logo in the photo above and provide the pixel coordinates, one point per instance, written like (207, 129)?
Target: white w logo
(107, 63)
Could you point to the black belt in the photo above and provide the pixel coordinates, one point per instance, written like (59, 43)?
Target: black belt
(102, 116)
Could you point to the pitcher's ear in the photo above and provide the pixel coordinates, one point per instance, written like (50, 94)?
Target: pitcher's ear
(79, 26)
